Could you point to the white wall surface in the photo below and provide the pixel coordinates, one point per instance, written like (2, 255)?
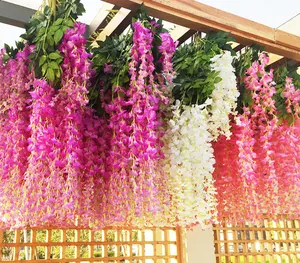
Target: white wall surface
(200, 246)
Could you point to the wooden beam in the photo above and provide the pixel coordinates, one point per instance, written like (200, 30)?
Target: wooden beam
(274, 58)
(101, 20)
(14, 15)
(238, 48)
(182, 33)
(125, 22)
(283, 61)
(204, 18)
(186, 36)
(277, 63)
(117, 23)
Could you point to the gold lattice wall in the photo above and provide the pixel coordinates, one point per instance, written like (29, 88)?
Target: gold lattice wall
(271, 242)
(106, 246)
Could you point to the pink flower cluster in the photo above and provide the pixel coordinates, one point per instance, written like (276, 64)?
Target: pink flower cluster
(15, 82)
(136, 137)
(266, 154)
(53, 160)
(61, 164)
(167, 50)
(292, 98)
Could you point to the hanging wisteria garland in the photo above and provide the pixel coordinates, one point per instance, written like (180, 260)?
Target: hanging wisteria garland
(265, 153)
(189, 157)
(137, 140)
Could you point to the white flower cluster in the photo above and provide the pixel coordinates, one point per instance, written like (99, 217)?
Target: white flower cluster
(224, 96)
(189, 158)
(189, 162)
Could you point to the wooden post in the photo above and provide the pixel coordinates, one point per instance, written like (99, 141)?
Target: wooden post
(17, 247)
(33, 252)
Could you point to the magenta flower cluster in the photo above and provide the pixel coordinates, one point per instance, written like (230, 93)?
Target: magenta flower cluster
(135, 124)
(62, 165)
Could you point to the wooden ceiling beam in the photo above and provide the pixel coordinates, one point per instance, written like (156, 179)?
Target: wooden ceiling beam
(283, 61)
(14, 15)
(201, 17)
(186, 36)
(238, 48)
(116, 25)
(181, 34)
(101, 19)
(125, 23)
(277, 63)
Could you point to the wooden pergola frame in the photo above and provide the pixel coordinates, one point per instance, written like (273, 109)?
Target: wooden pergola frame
(190, 17)
(200, 17)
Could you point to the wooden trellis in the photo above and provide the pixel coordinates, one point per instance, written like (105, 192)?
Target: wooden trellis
(270, 242)
(153, 245)
(190, 16)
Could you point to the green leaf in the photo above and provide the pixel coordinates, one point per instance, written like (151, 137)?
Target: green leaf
(54, 56)
(7, 47)
(33, 22)
(58, 22)
(218, 79)
(53, 29)
(24, 36)
(50, 74)
(53, 65)
(47, 10)
(42, 60)
(50, 40)
(58, 36)
(64, 28)
(57, 73)
(31, 30)
(44, 69)
(36, 39)
(41, 32)
(69, 23)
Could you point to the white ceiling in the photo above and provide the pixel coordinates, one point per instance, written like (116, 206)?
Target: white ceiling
(272, 13)
(91, 6)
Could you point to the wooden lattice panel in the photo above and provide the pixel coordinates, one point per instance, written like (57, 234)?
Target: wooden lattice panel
(270, 242)
(155, 245)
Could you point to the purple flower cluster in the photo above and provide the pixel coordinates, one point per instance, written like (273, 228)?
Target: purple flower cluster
(61, 164)
(14, 116)
(136, 136)
(167, 50)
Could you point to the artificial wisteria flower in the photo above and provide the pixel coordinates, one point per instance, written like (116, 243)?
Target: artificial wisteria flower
(292, 98)
(167, 50)
(259, 164)
(15, 81)
(189, 163)
(134, 122)
(108, 68)
(145, 140)
(224, 96)
(42, 185)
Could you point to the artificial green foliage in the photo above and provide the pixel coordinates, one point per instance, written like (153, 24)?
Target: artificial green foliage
(195, 80)
(242, 63)
(11, 52)
(280, 75)
(244, 60)
(45, 31)
(115, 51)
(222, 39)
